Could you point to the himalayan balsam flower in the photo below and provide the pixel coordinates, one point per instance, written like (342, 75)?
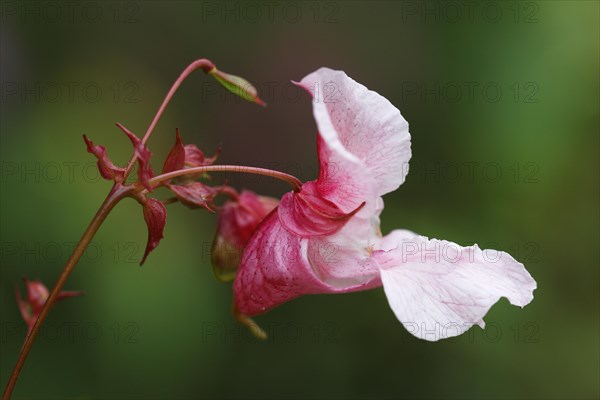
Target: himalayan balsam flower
(37, 294)
(326, 237)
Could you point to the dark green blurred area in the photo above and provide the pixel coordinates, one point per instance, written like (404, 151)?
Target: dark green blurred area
(503, 104)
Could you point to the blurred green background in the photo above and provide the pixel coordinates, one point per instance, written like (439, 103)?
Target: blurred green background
(502, 100)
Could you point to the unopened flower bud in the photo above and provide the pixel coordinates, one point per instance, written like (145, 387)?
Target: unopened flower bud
(238, 220)
(237, 85)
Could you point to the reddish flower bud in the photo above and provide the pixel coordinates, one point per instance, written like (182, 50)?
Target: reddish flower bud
(237, 222)
(37, 294)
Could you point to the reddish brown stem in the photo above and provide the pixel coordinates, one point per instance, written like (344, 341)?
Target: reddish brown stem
(206, 66)
(116, 194)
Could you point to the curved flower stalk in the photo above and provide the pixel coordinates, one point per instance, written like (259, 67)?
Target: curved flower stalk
(326, 237)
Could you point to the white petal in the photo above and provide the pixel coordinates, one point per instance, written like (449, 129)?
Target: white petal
(364, 144)
(438, 289)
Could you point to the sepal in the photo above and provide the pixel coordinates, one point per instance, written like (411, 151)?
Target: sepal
(107, 169)
(155, 215)
(145, 172)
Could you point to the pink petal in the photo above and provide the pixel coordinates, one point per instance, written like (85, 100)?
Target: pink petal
(278, 266)
(343, 268)
(343, 260)
(392, 240)
(307, 213)
(155, 215)
(438, 289)
(364, 144)
(274, 269)
(285, 265)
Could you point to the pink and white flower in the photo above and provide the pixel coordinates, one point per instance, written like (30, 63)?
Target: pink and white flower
(325, 238)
